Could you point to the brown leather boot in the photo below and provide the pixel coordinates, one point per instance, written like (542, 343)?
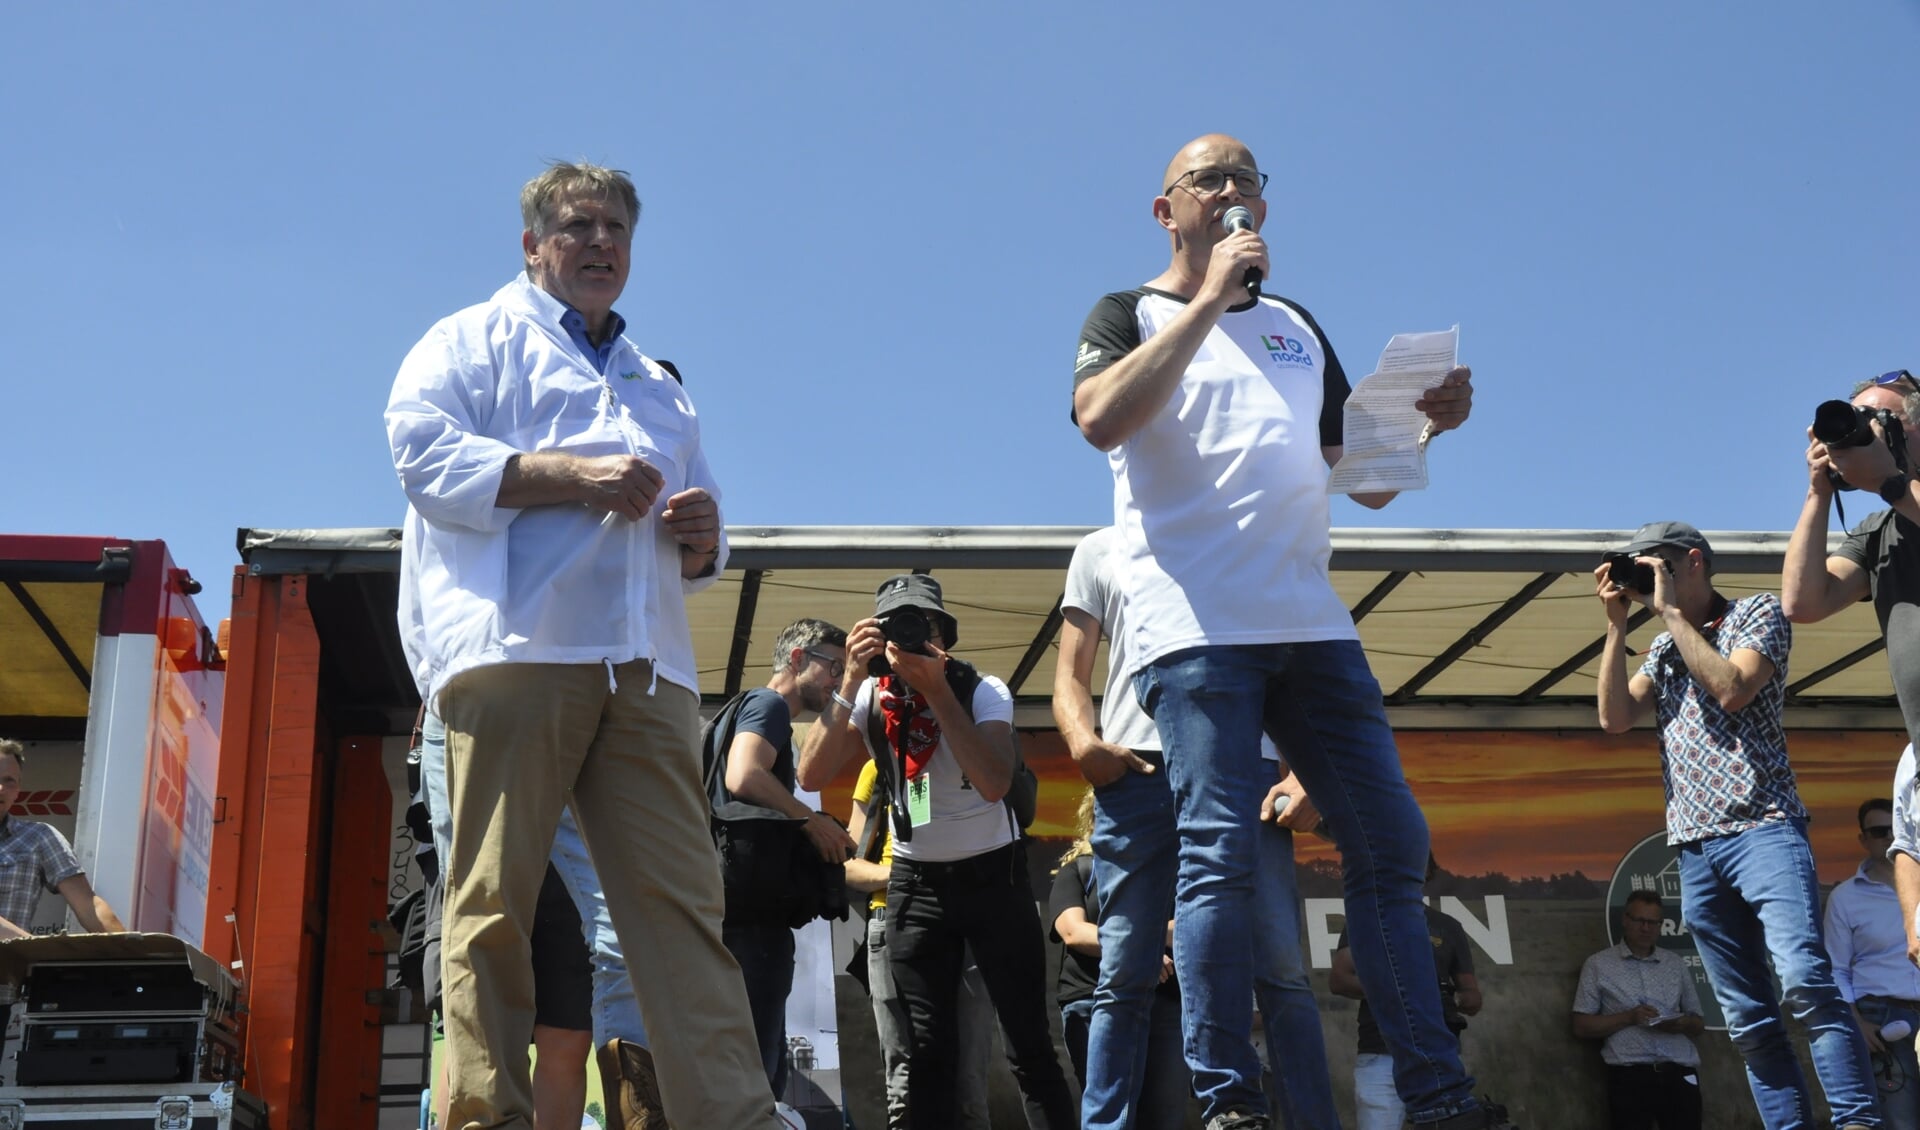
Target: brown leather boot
(632, 1091)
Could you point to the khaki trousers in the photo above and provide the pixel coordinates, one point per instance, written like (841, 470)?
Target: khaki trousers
(519, 737)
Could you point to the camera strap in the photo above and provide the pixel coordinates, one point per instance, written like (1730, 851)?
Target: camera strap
(890, 769)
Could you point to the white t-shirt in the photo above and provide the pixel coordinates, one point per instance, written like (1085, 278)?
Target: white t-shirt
(964, 823)
(1221, 498)
(1093, 587)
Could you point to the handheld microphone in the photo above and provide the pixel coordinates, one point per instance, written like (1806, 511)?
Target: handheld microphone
(1239, 218)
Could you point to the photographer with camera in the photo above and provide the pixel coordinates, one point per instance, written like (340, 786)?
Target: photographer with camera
(941, 736)
(1881, 557)
(1716, 680)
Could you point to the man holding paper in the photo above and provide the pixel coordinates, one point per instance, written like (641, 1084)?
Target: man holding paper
(1640, 1000)
(1221, 412)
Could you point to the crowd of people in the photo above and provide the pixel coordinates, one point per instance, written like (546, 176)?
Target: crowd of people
(562, 509)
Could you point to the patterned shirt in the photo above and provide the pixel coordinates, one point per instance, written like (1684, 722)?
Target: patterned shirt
(1614, 980)
(1725, 772)
(34, 857)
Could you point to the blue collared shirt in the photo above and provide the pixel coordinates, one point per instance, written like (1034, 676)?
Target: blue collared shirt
(575, 324)
(1866, 941)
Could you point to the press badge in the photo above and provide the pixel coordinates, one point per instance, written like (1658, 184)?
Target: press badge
(920, 800)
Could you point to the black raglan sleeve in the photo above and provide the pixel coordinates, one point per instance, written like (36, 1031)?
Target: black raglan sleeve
(1111, 332)
(1333, 400)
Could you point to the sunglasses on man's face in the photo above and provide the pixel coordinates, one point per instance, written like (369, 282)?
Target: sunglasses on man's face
(1878, 831)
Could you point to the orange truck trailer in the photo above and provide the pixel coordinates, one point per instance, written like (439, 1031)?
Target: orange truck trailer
(263, 826)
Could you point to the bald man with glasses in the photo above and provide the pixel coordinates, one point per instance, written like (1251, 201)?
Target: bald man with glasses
(1220, 409)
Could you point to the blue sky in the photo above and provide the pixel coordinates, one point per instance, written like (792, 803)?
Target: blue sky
(870, 236)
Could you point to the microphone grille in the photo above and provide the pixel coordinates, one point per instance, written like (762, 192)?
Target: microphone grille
(1237, 218)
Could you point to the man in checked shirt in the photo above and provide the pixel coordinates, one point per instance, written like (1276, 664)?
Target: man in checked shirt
(35, 857)
(1640, 999)
(1716, 680)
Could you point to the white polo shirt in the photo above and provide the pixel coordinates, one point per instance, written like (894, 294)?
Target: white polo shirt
(1221, 498)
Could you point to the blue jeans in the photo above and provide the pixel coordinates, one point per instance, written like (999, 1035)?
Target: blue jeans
(1321, 705)
(1748, 895)
(1167, 1085)
(765, 954)
(1139, 858)
(616, 1011)
(1900, 1093)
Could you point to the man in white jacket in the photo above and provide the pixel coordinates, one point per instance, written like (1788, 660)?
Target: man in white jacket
(561, 510)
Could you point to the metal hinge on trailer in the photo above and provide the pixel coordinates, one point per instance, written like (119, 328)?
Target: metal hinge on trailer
(173, 1112)
(13, 1115)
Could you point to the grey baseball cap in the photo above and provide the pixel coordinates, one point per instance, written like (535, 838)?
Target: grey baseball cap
(1679, 535)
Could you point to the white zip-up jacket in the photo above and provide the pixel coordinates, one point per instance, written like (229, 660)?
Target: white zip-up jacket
(485, 584)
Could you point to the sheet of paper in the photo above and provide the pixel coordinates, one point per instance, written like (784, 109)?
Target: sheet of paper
(1382, 431)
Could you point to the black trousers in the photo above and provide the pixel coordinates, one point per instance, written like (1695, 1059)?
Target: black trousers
(936, 910)
(1642, 1096)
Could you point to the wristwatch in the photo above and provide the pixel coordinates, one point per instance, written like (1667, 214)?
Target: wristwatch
(1895, 488)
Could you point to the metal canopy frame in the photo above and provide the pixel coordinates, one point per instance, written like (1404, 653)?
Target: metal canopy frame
(1466, 628)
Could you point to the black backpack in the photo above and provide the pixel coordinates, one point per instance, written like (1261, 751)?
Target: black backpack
(411, 916)
(1023, 794)
(770, 870)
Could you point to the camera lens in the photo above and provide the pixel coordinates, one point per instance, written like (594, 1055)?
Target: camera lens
(1624, 571)
(907, 630)
(1837, 423)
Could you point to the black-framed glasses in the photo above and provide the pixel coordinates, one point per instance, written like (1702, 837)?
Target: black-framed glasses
(1896, 377)
(1643, 921)
(1878, 831)
(1212, 182)
(835, 667)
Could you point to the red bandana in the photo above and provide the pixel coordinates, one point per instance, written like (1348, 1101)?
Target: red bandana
(923, 733)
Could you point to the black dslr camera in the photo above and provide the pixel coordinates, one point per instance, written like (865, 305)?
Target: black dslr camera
(1840, 423)
(906, 629)
(1637, 576)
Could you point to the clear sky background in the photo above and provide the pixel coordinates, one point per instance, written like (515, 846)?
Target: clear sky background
(870, 235)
